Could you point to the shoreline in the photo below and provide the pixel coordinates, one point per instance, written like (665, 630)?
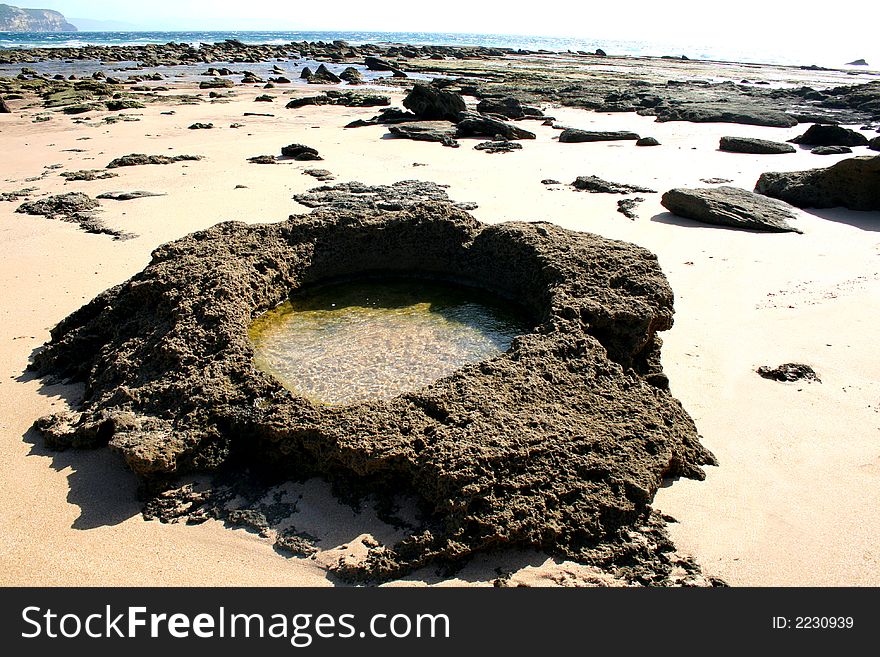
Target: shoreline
(737, 523)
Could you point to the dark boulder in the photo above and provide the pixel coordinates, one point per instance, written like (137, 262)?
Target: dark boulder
(858, 62)
(431, 104)
(324, 76)
(754, 146)
(830, 135)
(874, 144)
(498, 146)
(508, 107)
(472, 124)
(300, 152)
(575, 136)
(4, 108)
(726, 113)
(730, 206)
(352, 76)
(853, 183)
(647, 141)
(789, 372)
(376, 64)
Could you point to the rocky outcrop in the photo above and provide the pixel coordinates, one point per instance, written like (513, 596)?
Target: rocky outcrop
(300, 152)
(138, 159)
(15, 19)
(358, 197)
(830, 135)
(431, 104)
(344, 98)
(498, 146)
(730, 206)
(4, 108)
(853, 183)
(754, 146)
(574, 136)
(726, 113)
(558, 444)
(75, 208)
(508, 107)
(874, 144)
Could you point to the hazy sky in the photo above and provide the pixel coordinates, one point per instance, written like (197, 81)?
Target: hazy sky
(850, 28)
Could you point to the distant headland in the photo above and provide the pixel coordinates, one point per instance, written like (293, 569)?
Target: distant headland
(16, 19)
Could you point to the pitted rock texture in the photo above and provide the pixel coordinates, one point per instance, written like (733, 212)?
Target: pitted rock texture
(560, 443)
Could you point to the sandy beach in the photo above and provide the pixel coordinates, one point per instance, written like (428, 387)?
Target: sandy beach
(793, 500)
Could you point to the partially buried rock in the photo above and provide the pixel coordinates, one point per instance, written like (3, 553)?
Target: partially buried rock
(831, 150)
(730, 206)
(262, 159)
(830, 135)
(789, 372)
(574, 136)
(858, 62)
(509, 107)
(647, 141)
(137, 159)
(352, 76)
(88, 174)
(73, 207)
(852, 183)
(216, 83)
(127, 196)
(123, 104)
(596, 185)
(432, 104)
(754, 146)
(874, 144)
(499, 146)
(265, 98)
(201, 126)
(321, 174)
(627, 206)
(300, 152)
(376, 64)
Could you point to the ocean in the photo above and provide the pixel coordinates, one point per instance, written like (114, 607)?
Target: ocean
(767, 54)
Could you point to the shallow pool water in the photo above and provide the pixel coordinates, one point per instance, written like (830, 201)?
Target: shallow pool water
(351, 342)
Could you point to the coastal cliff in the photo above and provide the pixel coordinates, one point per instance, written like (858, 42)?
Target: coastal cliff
(15, 19)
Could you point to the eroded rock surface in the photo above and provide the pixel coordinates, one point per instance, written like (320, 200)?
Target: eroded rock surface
(559, 443)
(73, 207)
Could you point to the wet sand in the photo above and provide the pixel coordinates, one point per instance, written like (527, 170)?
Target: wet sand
(792, 503)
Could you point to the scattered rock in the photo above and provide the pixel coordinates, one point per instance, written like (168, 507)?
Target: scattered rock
(320, 174)
(715, 181)
(830, 135)
(72, 207)
(627, 206)
(858, 62)
(647, 141)
(17, 194)
(352, 76)
(138, 159)
(344, 98)
(127, 196)
(789, 372)
(88, 174)
(500, 146)
(550, 181)
(431, 104)
(508, 107)
(265, 98)
(376, 64)
(201, 126)
(352, 196)
(124, 104)
(300, 152)
(472, 124)
(596, 185)
(730, 206)
(439, 131)
(262, 159)
(216, 83)
(853, 183)
(575, 136)
(754, 146)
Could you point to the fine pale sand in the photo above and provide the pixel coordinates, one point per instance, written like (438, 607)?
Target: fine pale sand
(794, 501)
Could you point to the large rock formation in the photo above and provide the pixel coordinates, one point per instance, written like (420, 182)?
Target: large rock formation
(431, 104)
(560, 443)
(730, 206)
(15, 19)
(853, 183)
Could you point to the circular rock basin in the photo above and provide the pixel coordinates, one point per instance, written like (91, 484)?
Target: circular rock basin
(350, 342)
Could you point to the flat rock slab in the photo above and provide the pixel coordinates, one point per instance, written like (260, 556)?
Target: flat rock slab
(353, 196)
(726, 113)
(730, 206)
(596, 185)
(754, 146)
(831, 150)
(128, 196)
(853, 183)
(443, 132)
(575, 136)
(559, 443)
